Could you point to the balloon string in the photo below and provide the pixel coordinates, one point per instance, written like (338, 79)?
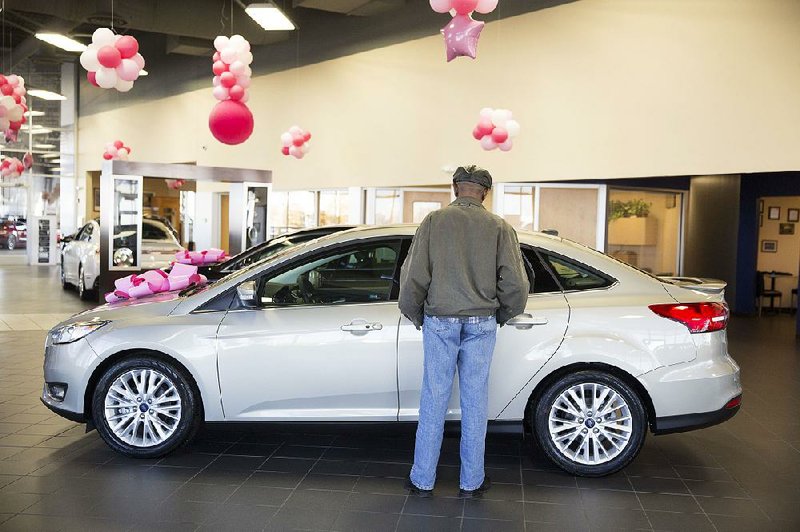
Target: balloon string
(231, 18)
(112, 15)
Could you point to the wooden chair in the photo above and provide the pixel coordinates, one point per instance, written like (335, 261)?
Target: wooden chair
(762, 292)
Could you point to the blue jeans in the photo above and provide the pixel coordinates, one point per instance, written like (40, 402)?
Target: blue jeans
(449, 342)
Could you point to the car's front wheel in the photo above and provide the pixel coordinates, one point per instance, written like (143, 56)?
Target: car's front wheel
(589, 423)
(12, 242)
(145, 408)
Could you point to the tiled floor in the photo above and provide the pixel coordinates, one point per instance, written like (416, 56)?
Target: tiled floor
(743, 475)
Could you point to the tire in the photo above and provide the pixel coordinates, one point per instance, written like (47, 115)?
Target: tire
(12, 242)
(84, 293)
(141, 433)
(64, 283)
(566, 428)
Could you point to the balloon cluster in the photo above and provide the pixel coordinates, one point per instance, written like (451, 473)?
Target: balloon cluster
(174, 184)
(296, 142)
(495, 129)
(200, 258)
(231, 122)
(112, 61)
(462, 33)
(117, 151)
(12, 105)
(232, 68)
(12, 167)
(153, 282)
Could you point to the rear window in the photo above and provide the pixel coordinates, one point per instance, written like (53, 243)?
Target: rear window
(573, 275)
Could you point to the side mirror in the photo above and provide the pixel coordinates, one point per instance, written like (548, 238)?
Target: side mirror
(247, 294)
(68, 238)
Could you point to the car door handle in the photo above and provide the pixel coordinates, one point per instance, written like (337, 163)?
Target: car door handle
(361, 326)
(526, 321)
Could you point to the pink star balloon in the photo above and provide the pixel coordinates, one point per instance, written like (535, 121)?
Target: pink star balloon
(461, 36)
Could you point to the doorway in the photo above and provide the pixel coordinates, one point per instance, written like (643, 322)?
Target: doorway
(779, 247)
(224, 221)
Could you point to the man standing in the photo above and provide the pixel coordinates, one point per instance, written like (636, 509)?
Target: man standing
(463, 276)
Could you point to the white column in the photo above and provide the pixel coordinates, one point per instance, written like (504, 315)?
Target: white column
(68, 201)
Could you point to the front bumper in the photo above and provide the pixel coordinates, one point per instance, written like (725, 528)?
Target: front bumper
(70, 364)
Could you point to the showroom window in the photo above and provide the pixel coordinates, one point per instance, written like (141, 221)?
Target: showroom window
(404, 205)
(300, 209)
(358, 275)
(644, 229)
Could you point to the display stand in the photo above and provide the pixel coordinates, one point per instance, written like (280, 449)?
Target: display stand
(42, 249)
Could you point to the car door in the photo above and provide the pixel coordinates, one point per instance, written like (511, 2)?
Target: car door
(71, 254)
(321, 345)
(522, 348)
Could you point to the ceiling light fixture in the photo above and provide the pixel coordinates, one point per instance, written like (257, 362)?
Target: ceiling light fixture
(56, 169)
(61, 41)
(47, 155)
(143, 72)
(34, 113)
(46, 95)
(37, 130)
(269, 16)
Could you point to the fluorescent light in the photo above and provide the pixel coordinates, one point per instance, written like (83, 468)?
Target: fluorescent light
(46, 95)
(44, 147)
(269, 17)
(56, 169)
(56, 161)
(48, 155)
(36, 130)
(62, 41)
(34, 113)
(143, 72)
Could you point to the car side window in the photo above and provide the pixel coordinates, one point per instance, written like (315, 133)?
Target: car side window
(363, 274)
(86, 233)
(543, 280)
(573, 275)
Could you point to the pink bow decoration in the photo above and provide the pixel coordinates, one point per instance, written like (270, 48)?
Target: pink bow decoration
(155, 281)
(200, 258)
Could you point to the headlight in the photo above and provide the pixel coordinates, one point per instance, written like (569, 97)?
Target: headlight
(74, 331)
(123, 257)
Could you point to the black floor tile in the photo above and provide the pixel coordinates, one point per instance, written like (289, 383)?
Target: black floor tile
(491, 525)
(329, 482)
(288, 518)
(427, 523)
(373, 502)
(680, 521)
(435, 506)
(259, 496)
(498, 510)
(353, 521)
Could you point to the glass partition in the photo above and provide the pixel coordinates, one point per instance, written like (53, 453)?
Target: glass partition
(333, 207)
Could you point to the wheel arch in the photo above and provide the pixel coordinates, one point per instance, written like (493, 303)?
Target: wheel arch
(133, 353)
(621, 374)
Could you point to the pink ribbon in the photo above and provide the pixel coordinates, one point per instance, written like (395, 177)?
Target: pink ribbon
(155, 281)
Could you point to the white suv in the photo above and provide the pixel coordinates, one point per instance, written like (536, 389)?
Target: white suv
(602, 353)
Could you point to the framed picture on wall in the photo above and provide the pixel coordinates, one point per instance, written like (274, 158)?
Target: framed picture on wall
(769, 246)
(786, 229)
(774, 213)
(794, 215)
(96, 204)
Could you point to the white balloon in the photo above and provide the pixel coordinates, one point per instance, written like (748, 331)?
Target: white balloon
(487, 143)
(4, 124)
(507, 145)
(15, 113)
(7, 102)
(295, 151)
(123, 86)
(220, 93)
(228, 54)
(122, 153)
(106, 77)
(486, 6)
(296, 130)
(247, 58)
(103, 37)
(112, 150)
(236, 39)
(512, 126)
(237, 68)
(486, 113)
(243, 81)
(306, 147)
(220, 43)
(243, 47)
(89, 59)
(248, 72)
(215, 81)
(286, 139)
(440, 6)
(499, 118)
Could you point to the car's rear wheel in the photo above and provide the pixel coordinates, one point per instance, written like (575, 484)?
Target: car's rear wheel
(64, 283)
(145, 408)
(12, 242)
(589, 423)
(83, 292)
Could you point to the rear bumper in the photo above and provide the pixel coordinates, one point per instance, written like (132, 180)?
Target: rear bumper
(687, 422)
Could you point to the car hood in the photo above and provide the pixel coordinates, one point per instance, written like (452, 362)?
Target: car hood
(152, 306)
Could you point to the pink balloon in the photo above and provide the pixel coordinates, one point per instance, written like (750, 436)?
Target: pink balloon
(128, 46)
(215, 81)
(118, 144)
(297, 140)
(441, 6)
(464, 7)
(3, 111)
(128, 70)
(478, 133)
(485, 127)
(215, 57)
(219, 67)
(109, 57)
(220, 93)
(507, 145)
(7, 89)
(231, 122)
(139, 60)
(499, 135)
(227, 80)
(306, 136)
(486, 6)
(487, 143)
(236, 92)
(285, 150)
(461, 37)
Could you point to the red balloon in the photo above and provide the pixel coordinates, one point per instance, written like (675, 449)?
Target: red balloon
(118, 144)
(92, 77)
(464, 7)
(307, 136)
(236, 92)
(16, 125)
(285, 150)
(107, 156)
(216, 57)
(219, 67)
(231, 122)
(16, 97)
(298, 140)
(127, 46)
(109, 56)
(477, 133)
(486, 127)
(7, 89)
(128, 148)
(499, 135)
(3, 80)
(227, 80)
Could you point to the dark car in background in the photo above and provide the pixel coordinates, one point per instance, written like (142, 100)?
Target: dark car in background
(267, 249)
(13, 233)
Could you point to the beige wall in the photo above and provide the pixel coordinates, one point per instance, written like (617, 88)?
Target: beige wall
(602, 89)
(787, 258)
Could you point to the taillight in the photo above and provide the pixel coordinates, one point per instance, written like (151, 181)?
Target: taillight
(733, 403)
(698, 317)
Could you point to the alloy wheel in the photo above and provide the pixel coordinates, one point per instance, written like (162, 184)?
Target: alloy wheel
(590, 423)
(143, 407)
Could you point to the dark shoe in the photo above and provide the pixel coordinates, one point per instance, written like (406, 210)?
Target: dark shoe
(477, 492)
(414, 490)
